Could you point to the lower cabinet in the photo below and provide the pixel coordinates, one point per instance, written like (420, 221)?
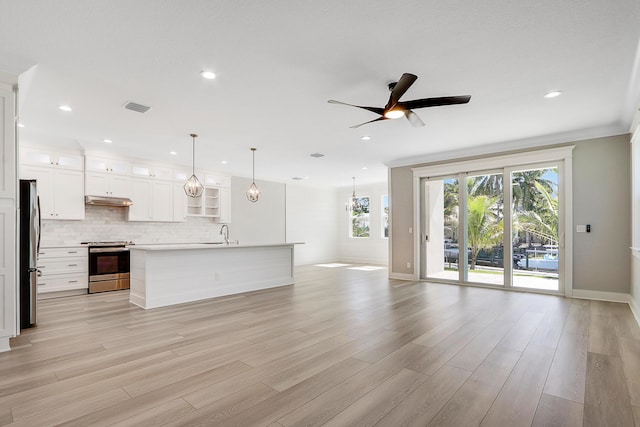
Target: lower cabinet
(62, 269)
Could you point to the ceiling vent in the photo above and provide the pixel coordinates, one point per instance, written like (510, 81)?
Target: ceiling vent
(136, 107)
(317, 155)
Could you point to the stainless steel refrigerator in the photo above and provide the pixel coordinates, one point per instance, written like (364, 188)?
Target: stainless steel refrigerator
(30, 225)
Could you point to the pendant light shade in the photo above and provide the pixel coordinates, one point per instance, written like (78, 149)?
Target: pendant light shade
(353, 204)
(253, 193)
(193, 187)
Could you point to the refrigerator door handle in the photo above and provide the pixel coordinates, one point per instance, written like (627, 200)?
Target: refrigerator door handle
(39, 227)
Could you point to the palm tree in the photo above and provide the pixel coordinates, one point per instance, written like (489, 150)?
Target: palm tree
(484, 228)
(531, 196)
(451, 207)
(542, 222)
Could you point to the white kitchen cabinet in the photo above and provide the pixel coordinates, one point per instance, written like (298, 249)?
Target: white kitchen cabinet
(62, 269)
(152, 200)
(44, 157)
(141, 198)
(179, 203)
(61, 191)
(225, 206)
(106, 184)
(162, 201)
(105, 165)
(154, 172)
(207, 205)
(211, 180)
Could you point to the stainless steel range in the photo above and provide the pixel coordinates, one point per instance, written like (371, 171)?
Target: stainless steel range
(108, 266)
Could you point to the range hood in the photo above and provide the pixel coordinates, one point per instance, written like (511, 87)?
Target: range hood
(107, 201)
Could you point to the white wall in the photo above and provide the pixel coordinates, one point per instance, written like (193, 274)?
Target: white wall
(259, 222)
(635, 221)
(372, 250)
(312, 215)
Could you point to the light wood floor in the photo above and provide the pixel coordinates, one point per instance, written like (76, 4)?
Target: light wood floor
(341, 348)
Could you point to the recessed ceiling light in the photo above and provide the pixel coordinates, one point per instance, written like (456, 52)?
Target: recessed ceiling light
(365, 137)
(65, 108)
(20, 125)
(108, 141)
(364, 168)
(224, 162)
(209, 75)
(553, 94)
(173, 153)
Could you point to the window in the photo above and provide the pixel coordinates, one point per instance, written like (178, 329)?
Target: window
(359, 215)
(385, 216)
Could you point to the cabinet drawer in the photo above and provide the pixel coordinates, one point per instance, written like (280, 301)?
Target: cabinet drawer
(62, 282)
(46, 253)
(63, 265)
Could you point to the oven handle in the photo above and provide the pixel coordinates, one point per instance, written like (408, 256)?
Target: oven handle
(102, 250)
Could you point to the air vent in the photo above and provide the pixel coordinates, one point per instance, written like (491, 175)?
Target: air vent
(317, 155)
(136, 107)
(297, 178)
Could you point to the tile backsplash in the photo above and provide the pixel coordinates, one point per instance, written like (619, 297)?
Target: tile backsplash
(104, 223)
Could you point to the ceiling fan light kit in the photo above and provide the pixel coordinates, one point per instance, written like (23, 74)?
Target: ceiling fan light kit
(396, 108)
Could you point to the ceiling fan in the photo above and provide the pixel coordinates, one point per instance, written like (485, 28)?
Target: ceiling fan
(396, 108)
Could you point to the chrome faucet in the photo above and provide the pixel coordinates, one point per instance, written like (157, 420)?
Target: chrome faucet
(224, 230)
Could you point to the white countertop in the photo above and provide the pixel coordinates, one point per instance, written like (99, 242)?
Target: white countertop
(203, 245)
(77, 245)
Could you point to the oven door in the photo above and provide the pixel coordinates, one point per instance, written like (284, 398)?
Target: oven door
(107, 261)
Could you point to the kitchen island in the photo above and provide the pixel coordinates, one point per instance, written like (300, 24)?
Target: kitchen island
(168, 274)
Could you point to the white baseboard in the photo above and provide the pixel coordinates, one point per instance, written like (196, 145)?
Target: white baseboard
(635, 309)
(601, 296)
(402, 276)
(4, 344)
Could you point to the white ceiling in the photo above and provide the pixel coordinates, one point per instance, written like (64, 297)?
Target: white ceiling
(278, 62)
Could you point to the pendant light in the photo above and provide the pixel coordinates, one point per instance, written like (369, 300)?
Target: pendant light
(354, 204)
(253, 193)
(193, 187)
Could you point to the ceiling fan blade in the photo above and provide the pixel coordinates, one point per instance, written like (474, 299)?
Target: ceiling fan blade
(370, 121)
(414, 119)
(399, 89)
(434, 102)
(372, 109)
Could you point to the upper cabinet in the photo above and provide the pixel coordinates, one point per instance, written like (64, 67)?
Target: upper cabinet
(153, 172)
(61, 191)
(105, 165)
(211, 180)
(43, 157)
(106, 184)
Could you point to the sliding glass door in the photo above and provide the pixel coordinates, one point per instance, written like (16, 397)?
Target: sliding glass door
(499, 228)
(535, 227)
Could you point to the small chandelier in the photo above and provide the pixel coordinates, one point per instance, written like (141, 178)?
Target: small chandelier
(253, 193)
(353, 204)
(193, 187)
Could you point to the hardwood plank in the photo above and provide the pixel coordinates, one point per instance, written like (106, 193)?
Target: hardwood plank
(225, 408)
(324, 407)
(470, 403)
(630, 355)
(5, 417)
(636, 414)
(517, 401)
(159, 415)
(557, 412)
(373, 406)
(606, 400)
(520, 335)
(472, 355)
(568, 371)
(602, 336)
(425, 402)
(286, 401)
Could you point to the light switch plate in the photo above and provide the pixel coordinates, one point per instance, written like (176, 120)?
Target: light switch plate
(581, 228)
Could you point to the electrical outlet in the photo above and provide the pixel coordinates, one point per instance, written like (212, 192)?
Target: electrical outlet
(408, 265)
(410, 230)
(217, 276)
